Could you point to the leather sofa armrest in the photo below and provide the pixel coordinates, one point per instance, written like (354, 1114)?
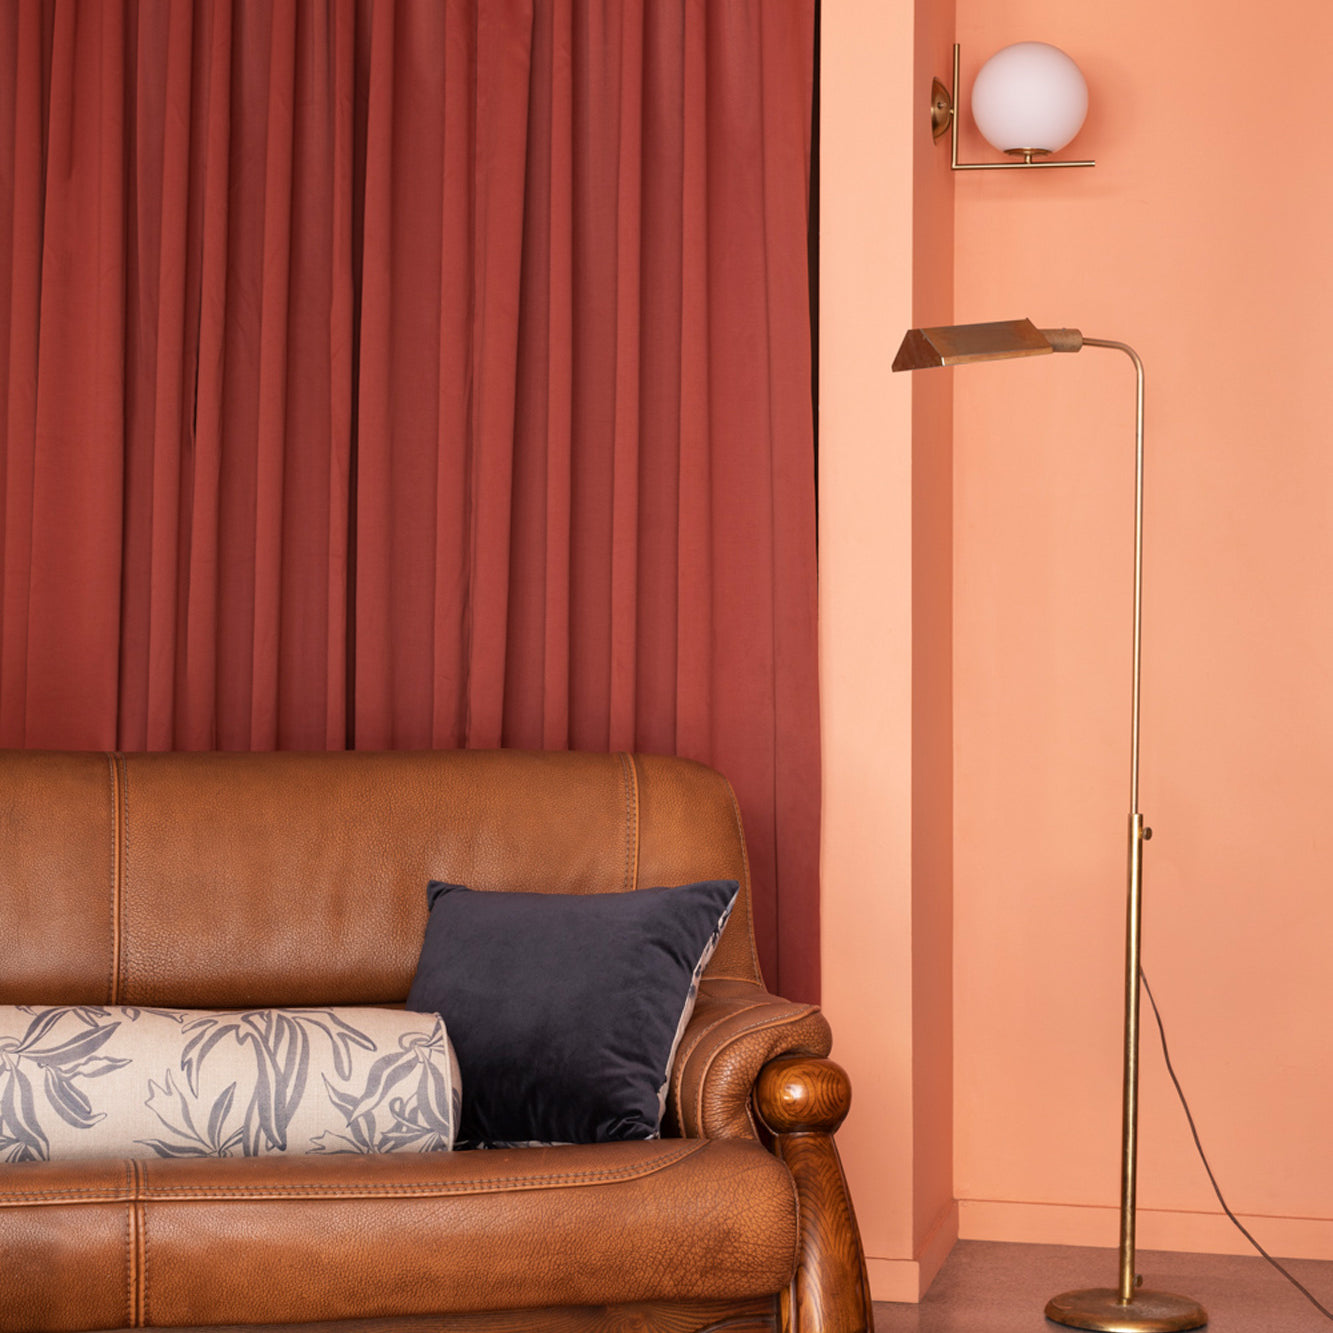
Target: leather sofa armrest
(737, 1027)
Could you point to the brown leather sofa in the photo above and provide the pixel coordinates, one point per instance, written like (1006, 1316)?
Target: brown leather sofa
(225, 881)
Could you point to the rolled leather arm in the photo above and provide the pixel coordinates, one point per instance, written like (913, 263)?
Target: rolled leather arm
(737, 1027)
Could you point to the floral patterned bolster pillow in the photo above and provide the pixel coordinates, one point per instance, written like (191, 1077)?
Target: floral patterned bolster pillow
(103, 1081)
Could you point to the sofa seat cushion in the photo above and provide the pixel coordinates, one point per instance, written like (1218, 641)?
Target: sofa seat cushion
(111, 1244)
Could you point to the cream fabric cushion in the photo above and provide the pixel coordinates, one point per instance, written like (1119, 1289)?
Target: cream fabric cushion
(102, 1081)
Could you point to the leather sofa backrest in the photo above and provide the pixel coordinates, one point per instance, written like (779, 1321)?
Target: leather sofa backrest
(232, 880)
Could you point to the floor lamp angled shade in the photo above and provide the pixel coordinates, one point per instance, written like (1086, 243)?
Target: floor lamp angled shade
(962, 344)
(1128, 1308)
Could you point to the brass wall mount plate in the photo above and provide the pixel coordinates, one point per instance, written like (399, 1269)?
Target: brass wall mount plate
(941, 110)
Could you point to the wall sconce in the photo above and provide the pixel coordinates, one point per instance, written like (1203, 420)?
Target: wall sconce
(1028, 100)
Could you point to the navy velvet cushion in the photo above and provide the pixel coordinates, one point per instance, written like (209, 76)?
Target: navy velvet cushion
(565, 1009)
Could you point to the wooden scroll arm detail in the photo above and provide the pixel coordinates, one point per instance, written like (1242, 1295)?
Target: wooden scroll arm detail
(802, 1100)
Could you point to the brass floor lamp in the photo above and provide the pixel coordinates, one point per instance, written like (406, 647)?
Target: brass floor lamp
(1128, 1308)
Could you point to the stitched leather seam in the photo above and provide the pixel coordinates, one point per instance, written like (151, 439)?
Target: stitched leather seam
(36, 1199)
(745, 867)
(712, 1059)
(141, 1251)
(113, 981)
(683, 1057)
(632, 816)
(626, 801)
(139, 1188)
(146, 1317)
(799, 1014)
(704, 1030)
(122, 870)
(773, 1023)
(153, 1191)
(707, 1030)
(332, 1192)
(788, 1021)
(129, 1249)
(433, 1190)
(13, 1198)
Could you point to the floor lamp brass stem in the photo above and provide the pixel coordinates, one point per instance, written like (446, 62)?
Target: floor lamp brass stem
(1129, 1143)
(1129, 1308)
(1138, 834)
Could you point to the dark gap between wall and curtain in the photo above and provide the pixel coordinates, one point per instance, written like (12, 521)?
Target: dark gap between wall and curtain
(812, 251)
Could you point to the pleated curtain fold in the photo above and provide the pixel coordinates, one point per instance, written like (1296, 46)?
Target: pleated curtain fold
(419, 374)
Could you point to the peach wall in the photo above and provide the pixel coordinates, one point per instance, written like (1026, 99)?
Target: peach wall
(885, 635)
(1199, 237)
(1202, 238)
(935, 1215)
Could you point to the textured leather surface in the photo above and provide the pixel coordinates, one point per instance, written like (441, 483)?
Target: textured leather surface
(760, 1315)
(57, 877)
(737, 1028)
(231, 880)
(690, 829)
(254, 1240)
(66, 1266)
(234, 880)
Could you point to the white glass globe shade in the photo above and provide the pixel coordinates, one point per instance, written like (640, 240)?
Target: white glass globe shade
(1029, 96)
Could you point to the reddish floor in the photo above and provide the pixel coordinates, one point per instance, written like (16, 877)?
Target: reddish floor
(989, 1287)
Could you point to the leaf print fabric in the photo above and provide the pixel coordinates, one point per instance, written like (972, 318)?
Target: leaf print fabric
(86, 1081)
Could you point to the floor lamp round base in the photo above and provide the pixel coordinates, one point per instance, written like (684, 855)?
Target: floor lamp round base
(1149, 1312)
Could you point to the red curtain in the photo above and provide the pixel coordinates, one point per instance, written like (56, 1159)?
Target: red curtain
(416, 374)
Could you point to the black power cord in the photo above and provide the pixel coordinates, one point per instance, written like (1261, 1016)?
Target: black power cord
(1180, 1092)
